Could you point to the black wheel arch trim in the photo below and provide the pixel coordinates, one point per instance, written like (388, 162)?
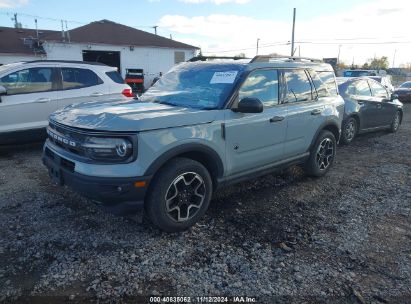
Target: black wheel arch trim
(180, 150)
(326, 126)
(356, 116)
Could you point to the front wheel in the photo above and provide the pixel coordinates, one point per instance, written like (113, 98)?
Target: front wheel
(179, 195)
(322, 154)
(396, 122)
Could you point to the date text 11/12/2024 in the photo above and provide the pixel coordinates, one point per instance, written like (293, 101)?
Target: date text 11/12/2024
(205, 299)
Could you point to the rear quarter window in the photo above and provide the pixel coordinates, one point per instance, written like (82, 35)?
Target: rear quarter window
(328, 78)
(115, 76)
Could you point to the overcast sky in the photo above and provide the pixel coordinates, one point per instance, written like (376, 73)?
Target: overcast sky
(358, 29)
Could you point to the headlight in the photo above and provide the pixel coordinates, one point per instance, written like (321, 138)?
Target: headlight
(109, 149)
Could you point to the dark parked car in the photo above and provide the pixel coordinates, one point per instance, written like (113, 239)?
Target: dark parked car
(368, 107)
(404, 91)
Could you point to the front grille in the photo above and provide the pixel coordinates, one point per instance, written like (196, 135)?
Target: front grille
(73, 141)
(69, 140)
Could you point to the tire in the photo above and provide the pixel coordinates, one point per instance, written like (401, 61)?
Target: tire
(395, 125)
(322, 154)
(186, 185)
(349, 130)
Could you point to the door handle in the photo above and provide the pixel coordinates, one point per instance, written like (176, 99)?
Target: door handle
(316, 112)
(43, 100)
(379, 106)
(276, 118)
(96, 94)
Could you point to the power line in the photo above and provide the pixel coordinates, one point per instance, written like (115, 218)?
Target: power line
(311, 42)
(59, 20)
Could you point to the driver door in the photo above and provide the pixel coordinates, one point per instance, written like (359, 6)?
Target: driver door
(255, 140)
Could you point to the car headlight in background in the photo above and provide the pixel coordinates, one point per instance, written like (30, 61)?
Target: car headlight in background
(108, 149)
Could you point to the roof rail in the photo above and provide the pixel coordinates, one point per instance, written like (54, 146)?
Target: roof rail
(68, 61)
(265, 58)
(205, 58)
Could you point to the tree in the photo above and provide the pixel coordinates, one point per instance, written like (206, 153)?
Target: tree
(378, 63)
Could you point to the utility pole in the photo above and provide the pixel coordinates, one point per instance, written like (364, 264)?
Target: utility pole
(292, 35)
(67, 32)
(16, 23)
(258, 40)
(155, 29)
(37, 30)
(339, 51)
(63, 36)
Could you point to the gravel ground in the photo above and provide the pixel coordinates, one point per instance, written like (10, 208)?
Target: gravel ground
(343, 238)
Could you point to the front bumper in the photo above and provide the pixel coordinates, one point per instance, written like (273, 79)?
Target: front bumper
(116, 195)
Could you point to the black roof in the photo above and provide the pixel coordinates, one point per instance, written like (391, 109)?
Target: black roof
(109, 32)
(21, 40)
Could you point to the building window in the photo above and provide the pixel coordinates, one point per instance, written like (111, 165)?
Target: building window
(179, 57)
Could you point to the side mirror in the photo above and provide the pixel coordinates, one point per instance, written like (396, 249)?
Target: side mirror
(393, 96)
(3, 91)
(250, 105)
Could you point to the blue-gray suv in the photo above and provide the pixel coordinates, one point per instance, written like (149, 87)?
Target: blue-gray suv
(205, 124)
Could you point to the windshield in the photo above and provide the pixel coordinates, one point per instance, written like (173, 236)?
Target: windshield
(195, 85)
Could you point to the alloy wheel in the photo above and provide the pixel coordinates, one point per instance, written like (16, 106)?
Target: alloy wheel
(396, 121)
(325, 153)
(185, 196)
(350, 130)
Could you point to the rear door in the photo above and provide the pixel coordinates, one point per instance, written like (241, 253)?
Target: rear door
(304, 111)
(386, 110)
(31, 98)
(254, 140)
(80, 84)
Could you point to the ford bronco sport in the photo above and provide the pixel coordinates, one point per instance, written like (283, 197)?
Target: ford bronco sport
(203, 125)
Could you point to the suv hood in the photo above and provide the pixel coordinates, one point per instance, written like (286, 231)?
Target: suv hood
(129, 116)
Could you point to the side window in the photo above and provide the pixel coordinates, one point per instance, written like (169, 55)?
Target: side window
(362, 88)
(328, 78)
(179, 57)
(26, 81)
(320, 86)
(74, 78)
(378, 90)
(261, 84)
(298, 86)
(115, 76)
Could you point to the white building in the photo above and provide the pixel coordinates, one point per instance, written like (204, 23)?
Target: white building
(103, 41)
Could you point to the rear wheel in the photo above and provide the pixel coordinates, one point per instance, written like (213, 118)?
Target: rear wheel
(322, 154)
(396, 122)
(179, 195)
(349, 130)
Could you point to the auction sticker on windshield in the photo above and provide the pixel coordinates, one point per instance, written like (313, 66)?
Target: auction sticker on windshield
(224, 77)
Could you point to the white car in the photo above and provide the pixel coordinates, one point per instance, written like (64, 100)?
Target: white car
(31, 91)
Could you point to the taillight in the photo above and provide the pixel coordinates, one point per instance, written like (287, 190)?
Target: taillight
(128, 93)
